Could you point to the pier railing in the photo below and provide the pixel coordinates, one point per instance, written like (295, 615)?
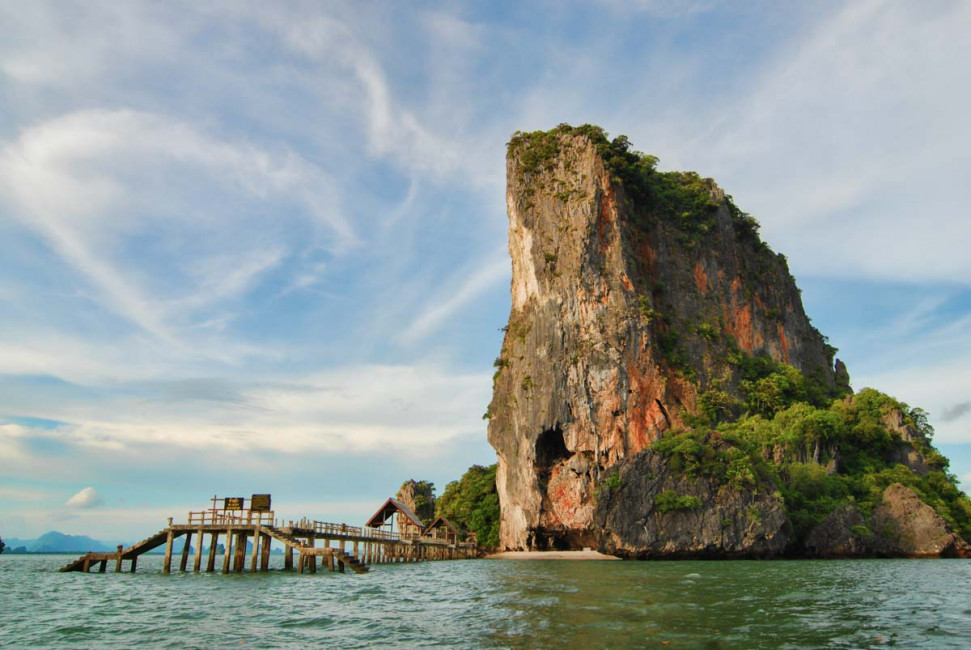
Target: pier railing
(343, 530)
(321, 528)
(225, 517)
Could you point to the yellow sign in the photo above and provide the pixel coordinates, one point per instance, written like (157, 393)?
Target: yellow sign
(233, 503)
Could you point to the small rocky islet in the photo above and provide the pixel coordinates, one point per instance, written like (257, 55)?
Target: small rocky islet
(661, 392)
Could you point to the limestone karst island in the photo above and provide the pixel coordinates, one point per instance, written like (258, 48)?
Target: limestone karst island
(661, 393)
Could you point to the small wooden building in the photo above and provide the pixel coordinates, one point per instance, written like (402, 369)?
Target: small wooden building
(442, 529)
(397, 517)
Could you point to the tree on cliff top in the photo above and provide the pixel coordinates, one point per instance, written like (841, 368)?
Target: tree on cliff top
(472, 504)
(420, 497)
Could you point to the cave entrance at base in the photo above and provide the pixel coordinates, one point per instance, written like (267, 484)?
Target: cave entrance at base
(550, 451)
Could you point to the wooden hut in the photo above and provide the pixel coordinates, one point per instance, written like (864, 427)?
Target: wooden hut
(442, 529)
(397, 517)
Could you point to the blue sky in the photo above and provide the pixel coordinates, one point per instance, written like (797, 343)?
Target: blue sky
(261, 247)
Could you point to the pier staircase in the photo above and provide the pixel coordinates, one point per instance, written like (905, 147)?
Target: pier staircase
(76, 565)
(147, 544)
(349, 560)
(286, 538)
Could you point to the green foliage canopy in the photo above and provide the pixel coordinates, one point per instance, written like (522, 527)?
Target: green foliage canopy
(834, 455)
(472, 504)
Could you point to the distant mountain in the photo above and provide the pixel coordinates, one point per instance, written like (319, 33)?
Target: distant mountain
(55, 542)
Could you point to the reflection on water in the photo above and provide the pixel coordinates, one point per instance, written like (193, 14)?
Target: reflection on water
(488, 603)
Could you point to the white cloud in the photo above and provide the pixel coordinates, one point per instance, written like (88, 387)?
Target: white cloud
(408, 409)
(86, 498)
(92, 182)
(22, 495)
(847, 147)
(444, 305)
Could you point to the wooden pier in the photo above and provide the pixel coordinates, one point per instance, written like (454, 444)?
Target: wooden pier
(338, 546)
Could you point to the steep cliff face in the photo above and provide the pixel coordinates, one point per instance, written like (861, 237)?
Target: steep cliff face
(620, 318)
(660, 391)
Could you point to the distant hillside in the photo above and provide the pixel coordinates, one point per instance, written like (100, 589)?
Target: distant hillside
(55, 542)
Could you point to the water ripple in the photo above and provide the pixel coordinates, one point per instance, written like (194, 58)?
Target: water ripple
(474, 604)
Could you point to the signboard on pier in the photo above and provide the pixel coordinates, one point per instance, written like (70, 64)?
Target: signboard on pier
(233, 503)
(260, 503)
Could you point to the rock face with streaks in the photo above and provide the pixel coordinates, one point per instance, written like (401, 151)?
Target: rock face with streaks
(661, 392)
(628, 301)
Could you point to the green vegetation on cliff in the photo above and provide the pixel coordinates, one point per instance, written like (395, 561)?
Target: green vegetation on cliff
(821, 456)
(472, 504)
(681, 199)
(420, 495)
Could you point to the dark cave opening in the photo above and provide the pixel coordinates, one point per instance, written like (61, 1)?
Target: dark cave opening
(550, 449)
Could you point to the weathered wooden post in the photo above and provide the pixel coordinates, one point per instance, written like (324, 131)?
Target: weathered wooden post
(240, 559)
(312, 558)
(185, 552)
(288, 558)
(118, 560)
(256, 548)
(228, 550)
(197, 563)
(265, 558)
(134, 563)
(213, 545)
(167, 562)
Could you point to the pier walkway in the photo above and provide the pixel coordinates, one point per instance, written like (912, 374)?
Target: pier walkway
(243, 531)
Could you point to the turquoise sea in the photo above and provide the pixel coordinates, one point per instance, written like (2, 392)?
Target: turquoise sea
(495, 604)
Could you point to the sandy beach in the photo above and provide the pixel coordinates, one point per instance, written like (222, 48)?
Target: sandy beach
(550, 555)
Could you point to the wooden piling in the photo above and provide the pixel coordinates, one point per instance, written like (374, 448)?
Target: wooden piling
(167, 562)
(256, 549)
(197, 563)
(240, 558)
(265, 559)
(213, 545)
(185, 552)
(229, 547)
(118, 559)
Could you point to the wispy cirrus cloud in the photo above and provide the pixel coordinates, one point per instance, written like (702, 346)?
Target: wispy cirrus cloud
(92, 182)
(445, 304)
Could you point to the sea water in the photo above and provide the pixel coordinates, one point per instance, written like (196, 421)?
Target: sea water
(494, 603)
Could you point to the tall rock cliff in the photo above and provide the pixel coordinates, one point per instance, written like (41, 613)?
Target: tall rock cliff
(641, 302)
